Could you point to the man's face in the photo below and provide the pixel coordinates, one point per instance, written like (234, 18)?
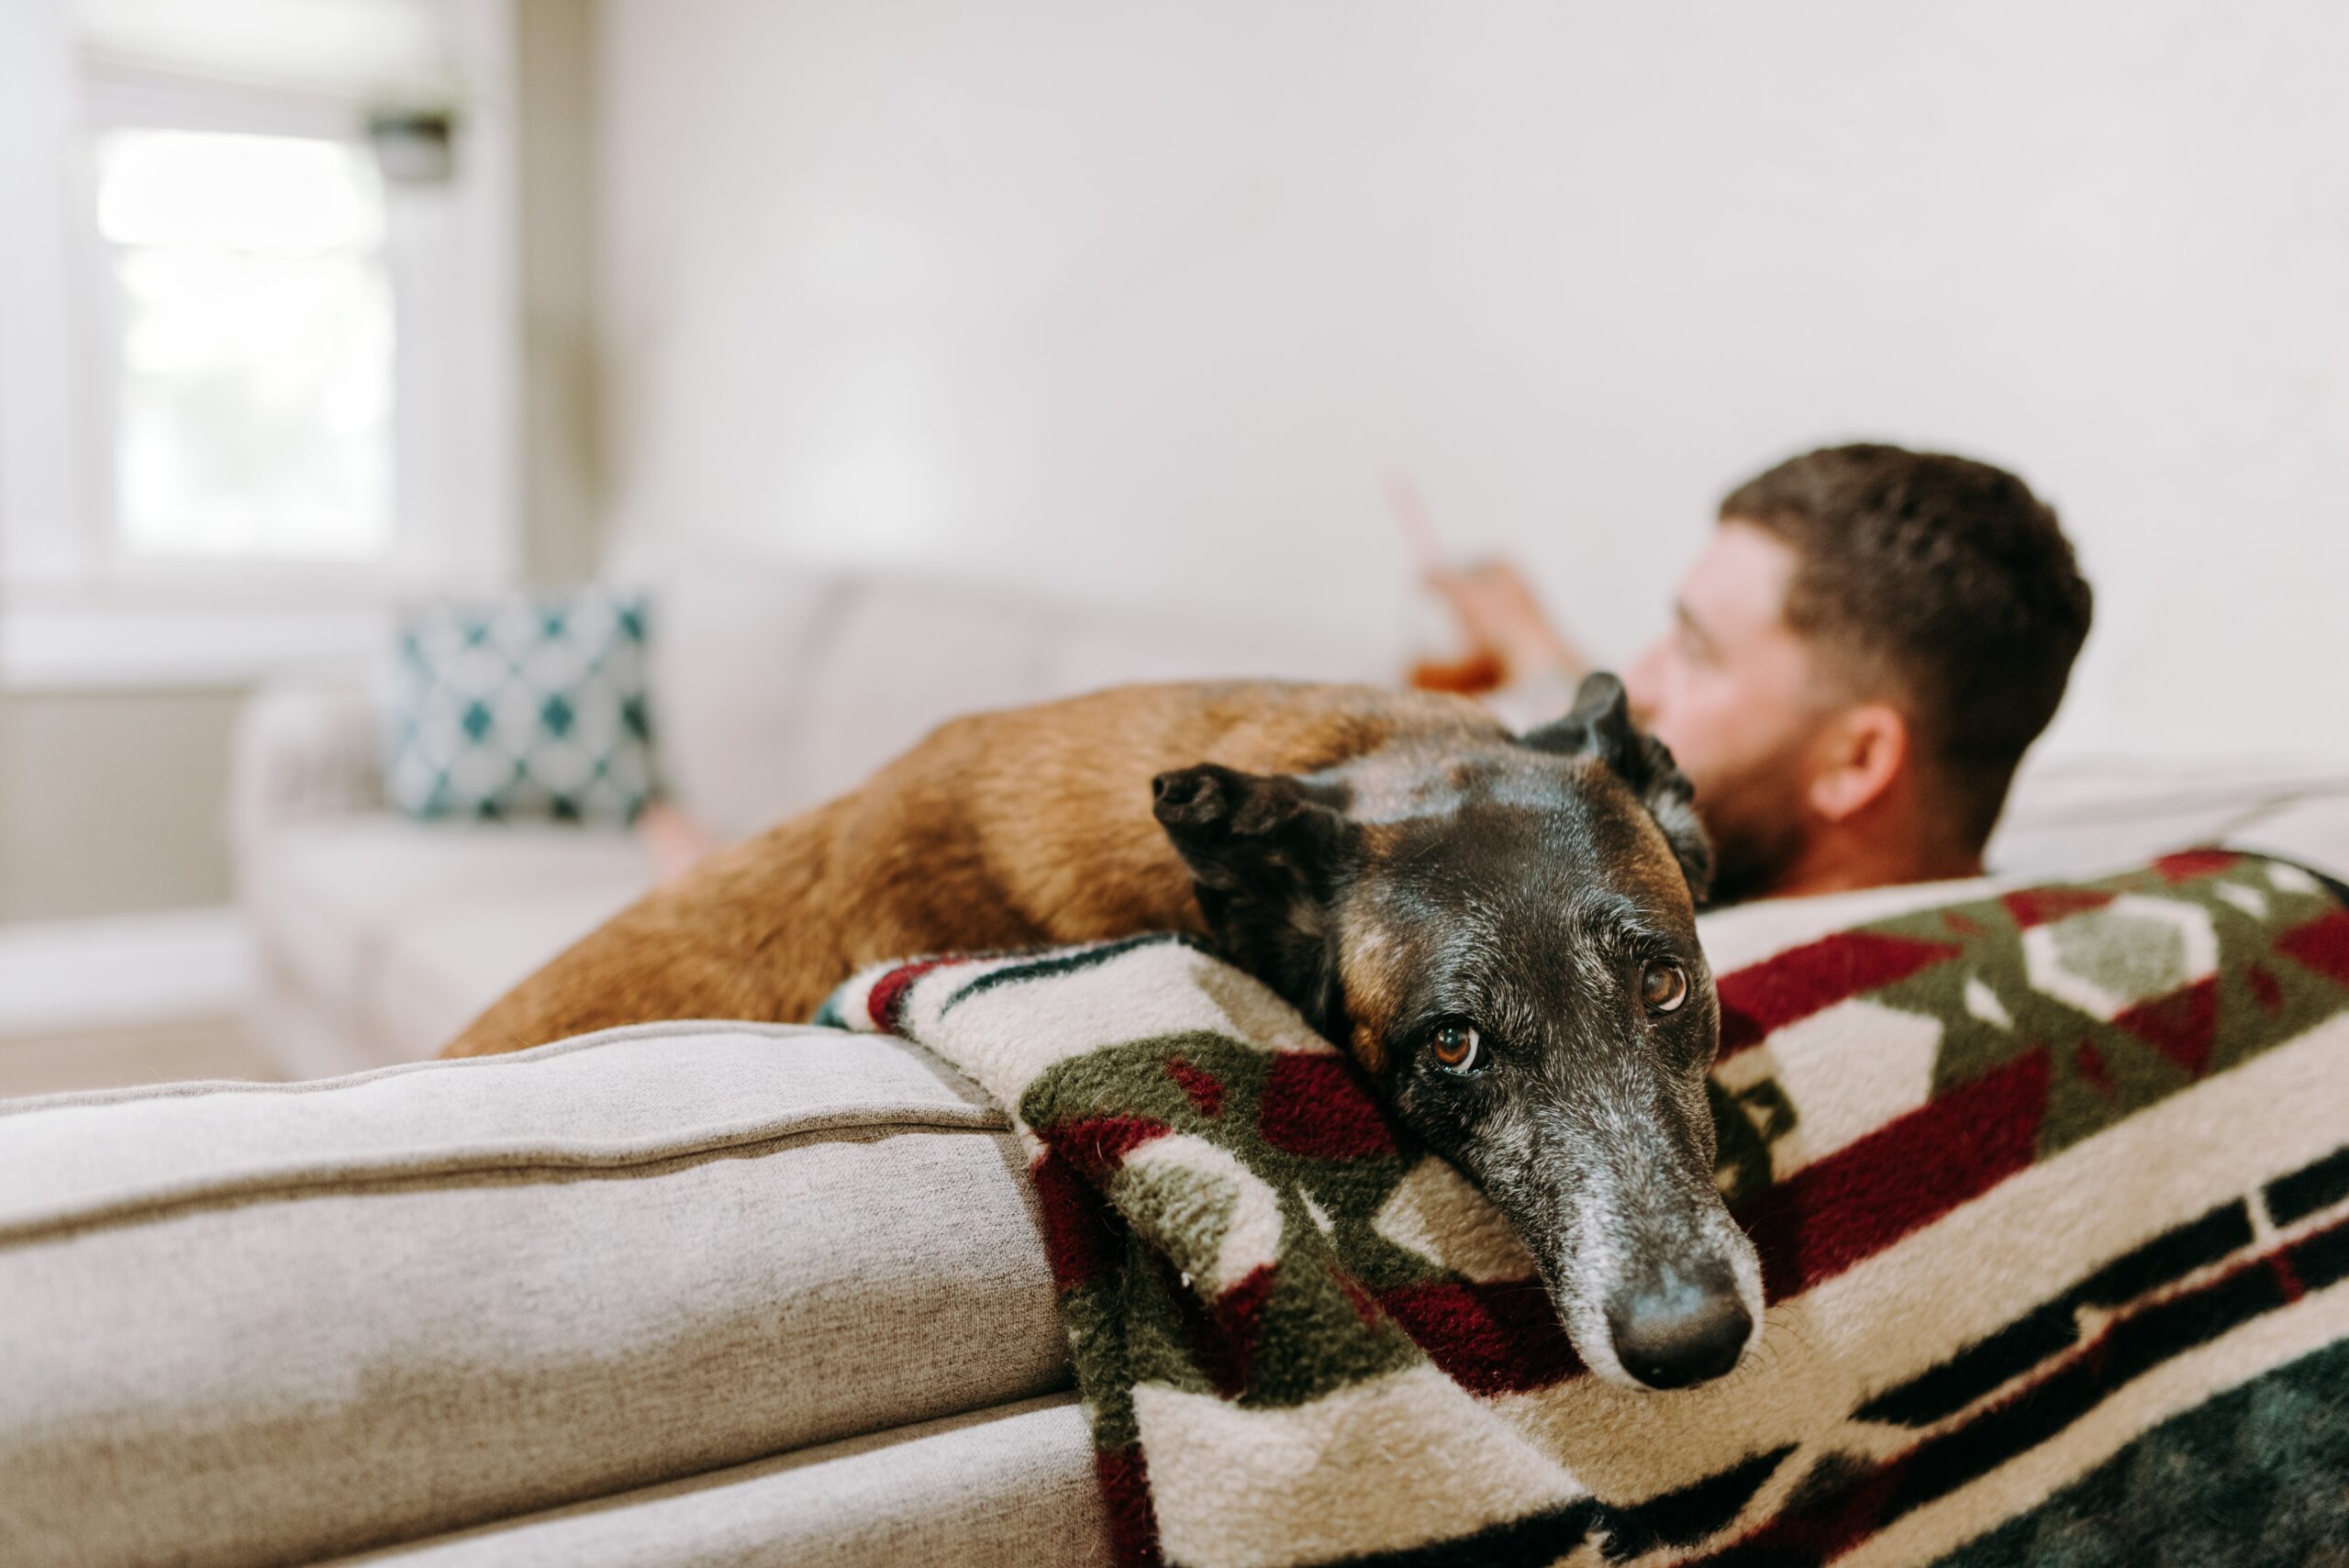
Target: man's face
(1731, 689)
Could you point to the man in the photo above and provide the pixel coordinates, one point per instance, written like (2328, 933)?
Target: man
(1857, 661)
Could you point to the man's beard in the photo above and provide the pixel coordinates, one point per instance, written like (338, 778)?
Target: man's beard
(1755, 819)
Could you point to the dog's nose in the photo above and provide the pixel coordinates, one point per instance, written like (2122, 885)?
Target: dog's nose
(1676, 1330)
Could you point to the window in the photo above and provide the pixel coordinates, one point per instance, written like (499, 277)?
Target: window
(259, 305)
(252, 345)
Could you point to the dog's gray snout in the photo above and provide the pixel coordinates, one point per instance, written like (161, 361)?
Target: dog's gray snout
(1676, 1330)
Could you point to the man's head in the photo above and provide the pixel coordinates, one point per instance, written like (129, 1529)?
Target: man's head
(1860, 657)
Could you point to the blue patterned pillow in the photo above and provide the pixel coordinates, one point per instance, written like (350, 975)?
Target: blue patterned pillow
(534, 705)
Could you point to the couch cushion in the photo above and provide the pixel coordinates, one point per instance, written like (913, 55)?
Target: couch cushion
(905, 653)
(264, 1322)
(901, 657)
(2071, 815)
(731, 646)
(401, 932)
(2313, 829)
(778, 684)
(1011, 1487)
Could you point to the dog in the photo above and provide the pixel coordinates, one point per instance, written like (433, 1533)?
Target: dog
(1499, 928)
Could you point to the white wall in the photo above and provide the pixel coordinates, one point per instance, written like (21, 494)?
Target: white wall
(1141, 301)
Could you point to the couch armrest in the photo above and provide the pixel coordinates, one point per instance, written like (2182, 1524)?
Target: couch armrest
(303, 753)
(273, 1323)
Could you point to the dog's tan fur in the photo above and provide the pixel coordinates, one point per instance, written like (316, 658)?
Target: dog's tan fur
(1026, 828)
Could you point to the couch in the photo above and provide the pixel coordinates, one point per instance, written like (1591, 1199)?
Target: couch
(678, 1293)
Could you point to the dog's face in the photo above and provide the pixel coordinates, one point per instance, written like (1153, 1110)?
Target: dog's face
(1505, 938)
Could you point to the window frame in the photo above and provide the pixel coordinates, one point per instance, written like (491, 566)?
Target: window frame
(67, 585)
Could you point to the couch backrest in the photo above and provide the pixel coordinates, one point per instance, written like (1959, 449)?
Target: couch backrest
(777, 687)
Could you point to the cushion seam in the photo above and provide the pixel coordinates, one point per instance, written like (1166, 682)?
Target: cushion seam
(539, 1163)
(208, 1087)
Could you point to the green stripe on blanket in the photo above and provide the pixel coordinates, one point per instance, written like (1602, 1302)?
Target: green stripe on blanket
(2040, 1179)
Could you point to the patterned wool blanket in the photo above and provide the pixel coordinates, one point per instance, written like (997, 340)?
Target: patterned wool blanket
(2051, 1187)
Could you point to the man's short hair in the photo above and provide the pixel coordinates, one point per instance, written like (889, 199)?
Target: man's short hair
(1947, 586)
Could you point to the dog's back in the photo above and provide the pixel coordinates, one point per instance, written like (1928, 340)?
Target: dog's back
(1018, 829)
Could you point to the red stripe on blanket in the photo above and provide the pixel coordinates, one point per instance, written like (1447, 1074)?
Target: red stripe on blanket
(1317, 1106)
(1489, 1338)
(1204, 1090)
(1083, 1236)
(2264, 987)
(1098, 1145)
(1228, 1350)
(2322, 944)
(1809, 979)
(1133, 1522)
(886, 1003)
(2182, 1026)
(2038, 906)
(1899, 1178)
(2188, 864)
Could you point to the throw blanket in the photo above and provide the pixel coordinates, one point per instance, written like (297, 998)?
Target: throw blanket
(2051, 1188)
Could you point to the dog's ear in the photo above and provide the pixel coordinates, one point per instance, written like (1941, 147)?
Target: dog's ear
(1600, 726)
(1265, 852)
(1252, 835)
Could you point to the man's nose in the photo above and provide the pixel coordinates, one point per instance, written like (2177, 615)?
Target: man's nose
(1680, 1328)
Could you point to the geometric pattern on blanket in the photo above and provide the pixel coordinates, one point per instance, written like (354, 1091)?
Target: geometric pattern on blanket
(2051, 1188)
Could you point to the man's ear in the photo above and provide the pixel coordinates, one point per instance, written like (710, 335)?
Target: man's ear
(1866, 747)
(1600, 726)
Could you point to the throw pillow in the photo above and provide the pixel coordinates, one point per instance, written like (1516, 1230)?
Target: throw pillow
(532, 706)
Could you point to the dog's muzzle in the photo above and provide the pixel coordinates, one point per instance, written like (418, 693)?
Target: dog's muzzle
(1680, 1328)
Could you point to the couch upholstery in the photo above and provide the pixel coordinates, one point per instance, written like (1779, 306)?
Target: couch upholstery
(1011, 1487)
(268, 1323)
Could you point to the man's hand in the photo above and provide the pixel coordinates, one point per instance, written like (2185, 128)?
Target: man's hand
(1500, 618)
(673, 842)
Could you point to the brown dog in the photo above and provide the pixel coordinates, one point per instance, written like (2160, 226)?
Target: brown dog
(1502, 930)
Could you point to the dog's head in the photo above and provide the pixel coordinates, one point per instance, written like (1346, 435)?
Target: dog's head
(1505, 936)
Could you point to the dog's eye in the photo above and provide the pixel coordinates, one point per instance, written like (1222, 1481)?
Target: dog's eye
(1664, 987)
(1457, 1047)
